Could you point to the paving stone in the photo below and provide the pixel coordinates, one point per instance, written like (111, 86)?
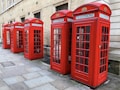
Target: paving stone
(73, 88)
(5, 88)
(2, 83)
(38, 81)
(19, 86)
(78, 87)
(13, 80)
(47, 80)
(0, 71)
(31, 75)
(13, 71)
(19, 63)
(1, 66)
(33, 69)
(62, 84)
(45, 87)
(7, 64)
(45, 72)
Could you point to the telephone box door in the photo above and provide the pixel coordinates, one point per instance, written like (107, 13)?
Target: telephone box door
(103, 50)
(19, 38)
(6, 37)
(82, 51)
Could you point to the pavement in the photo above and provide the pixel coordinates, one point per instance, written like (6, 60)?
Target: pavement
(19, 73)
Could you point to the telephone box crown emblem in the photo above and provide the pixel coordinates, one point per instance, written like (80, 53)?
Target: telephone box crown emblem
(57, 15)
(84, 9)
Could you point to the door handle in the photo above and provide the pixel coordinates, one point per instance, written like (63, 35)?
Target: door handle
(99, 46)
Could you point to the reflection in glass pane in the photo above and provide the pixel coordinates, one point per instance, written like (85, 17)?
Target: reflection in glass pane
(81, 60)
(86, 61)
(82, 30)
(86, 69)
(87, 45)
(87, 37)
(87, 53)
(81, 44)
(82, 37)
(78, 37)
(87, 29)
(57, 44)
(81, 53)
(77, 59)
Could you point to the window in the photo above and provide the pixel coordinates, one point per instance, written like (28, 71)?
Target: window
(22, 19)
(11, 21)
(3, 5)
(9, 3)
(83, 48)
(61, 7)
(37, 15)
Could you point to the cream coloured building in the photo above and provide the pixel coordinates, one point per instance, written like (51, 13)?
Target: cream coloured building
(18, 10)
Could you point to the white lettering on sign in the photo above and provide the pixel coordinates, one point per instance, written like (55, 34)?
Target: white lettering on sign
(85, 16)
(26, 25)
(69, 19)
(7, 27)
(36, 25)
(19, 27)
(104, 16)
(12, 27)
(58, 20)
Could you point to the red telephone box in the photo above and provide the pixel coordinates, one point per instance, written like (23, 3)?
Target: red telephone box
(90, 43)
(6, 36)
(61, 29)
(33, 38)
(17, 29)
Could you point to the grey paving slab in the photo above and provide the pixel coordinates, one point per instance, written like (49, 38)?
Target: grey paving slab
(0, 71)
(38, 81)
(19, 86)
(78, 87)
(13, 80)
(62, 84)
(19, 63)
(45, 72)
(5, 88)
(48, 79)
(45, 87)
(31, 75)
(2, 83)
(13, 71)
(73, 88)
(33, 69)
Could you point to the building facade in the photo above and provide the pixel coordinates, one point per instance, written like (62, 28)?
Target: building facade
(19, 10)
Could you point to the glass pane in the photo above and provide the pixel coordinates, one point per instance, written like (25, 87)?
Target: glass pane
(57, 45)
(87, 29)
(82, 48)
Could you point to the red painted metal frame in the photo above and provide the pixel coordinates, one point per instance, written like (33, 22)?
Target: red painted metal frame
(60, 59)
(17, 29)
(33, 38)
(91, 68)
(5, 36)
